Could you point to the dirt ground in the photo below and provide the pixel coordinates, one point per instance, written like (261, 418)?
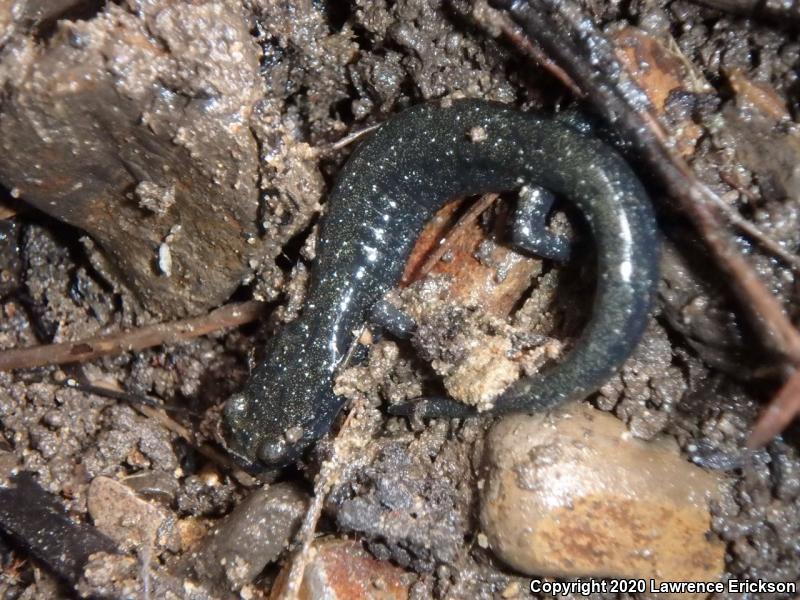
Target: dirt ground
(326, 69)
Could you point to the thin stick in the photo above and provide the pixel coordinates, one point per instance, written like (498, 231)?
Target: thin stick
(206, 450)
(777, 416)
(99, 390)
(150, 409)
(346, 442)
(534, 51)
(350, 138)
(230, 315)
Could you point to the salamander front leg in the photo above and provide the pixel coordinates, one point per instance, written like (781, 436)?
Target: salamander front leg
(529, 228)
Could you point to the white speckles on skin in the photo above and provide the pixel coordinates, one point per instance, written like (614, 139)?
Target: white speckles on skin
(626, 270)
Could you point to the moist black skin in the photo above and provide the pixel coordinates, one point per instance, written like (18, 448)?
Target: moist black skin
(390, 187)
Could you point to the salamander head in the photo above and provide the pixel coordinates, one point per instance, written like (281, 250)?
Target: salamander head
(253, 442)
(286, 405)
(261, 438)
(274, 440)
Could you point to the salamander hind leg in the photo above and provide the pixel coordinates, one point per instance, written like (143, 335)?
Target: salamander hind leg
(529, 230)
(432, 407)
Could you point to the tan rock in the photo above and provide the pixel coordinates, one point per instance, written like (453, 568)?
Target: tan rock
(130, 521)
(573, 494)
(343, 570)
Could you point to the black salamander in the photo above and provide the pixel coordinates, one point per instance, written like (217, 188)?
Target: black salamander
(392, 184)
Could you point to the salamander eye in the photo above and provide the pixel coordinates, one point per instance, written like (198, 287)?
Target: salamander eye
(272, 451)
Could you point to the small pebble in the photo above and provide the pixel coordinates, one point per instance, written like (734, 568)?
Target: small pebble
(252, 536)
(129, 520)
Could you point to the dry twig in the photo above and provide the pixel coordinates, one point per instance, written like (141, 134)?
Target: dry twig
(348, 440)
(778, 414)
(230, 315)
(767, 242)
(457, 230)
(350, 138)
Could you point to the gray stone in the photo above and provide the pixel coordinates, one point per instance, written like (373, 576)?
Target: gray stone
(252, 536)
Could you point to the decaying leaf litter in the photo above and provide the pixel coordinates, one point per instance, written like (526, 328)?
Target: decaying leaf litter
(317, 74)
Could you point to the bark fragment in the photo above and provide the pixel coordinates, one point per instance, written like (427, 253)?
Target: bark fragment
(134, 128)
